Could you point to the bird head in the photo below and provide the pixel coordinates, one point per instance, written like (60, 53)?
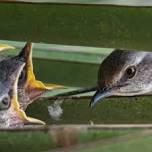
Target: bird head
(10, 113)
(30, 88)
(124, 73)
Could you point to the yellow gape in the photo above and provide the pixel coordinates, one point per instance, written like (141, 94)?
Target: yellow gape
(16, 107)
(31, 81)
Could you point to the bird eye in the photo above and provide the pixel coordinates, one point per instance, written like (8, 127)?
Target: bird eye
(5, 103)
(131, 71)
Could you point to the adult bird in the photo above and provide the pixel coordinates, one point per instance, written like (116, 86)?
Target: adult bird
(124, 73)
(11, 115)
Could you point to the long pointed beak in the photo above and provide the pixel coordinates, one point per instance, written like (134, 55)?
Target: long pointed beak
(99, 95)
(5, 47)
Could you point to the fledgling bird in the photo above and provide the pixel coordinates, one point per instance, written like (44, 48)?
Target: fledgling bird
(11, 115)
(30, 89)
(124, 73)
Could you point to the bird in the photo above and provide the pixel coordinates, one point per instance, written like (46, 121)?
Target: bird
(11, 115)
(30, 89)
(124, 73)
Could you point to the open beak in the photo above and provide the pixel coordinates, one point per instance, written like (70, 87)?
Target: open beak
(32, 86)
(5, 47)
(15, 104)
(22, 115)
(100, 94)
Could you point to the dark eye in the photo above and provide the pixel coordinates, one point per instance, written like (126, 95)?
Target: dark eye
(131, 71)
(5, 103)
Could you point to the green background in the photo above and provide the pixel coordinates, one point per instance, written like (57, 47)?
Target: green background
(83, 25)
(87, 25)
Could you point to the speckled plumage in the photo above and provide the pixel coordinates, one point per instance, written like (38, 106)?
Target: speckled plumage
(24, 96)
(10, 69)
(10, 119)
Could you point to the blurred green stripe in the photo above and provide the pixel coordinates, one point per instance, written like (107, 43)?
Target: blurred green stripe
(97, 2)
(81, 54)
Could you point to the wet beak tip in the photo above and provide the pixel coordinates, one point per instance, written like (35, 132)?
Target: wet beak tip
(92, 102)
(98, 96)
